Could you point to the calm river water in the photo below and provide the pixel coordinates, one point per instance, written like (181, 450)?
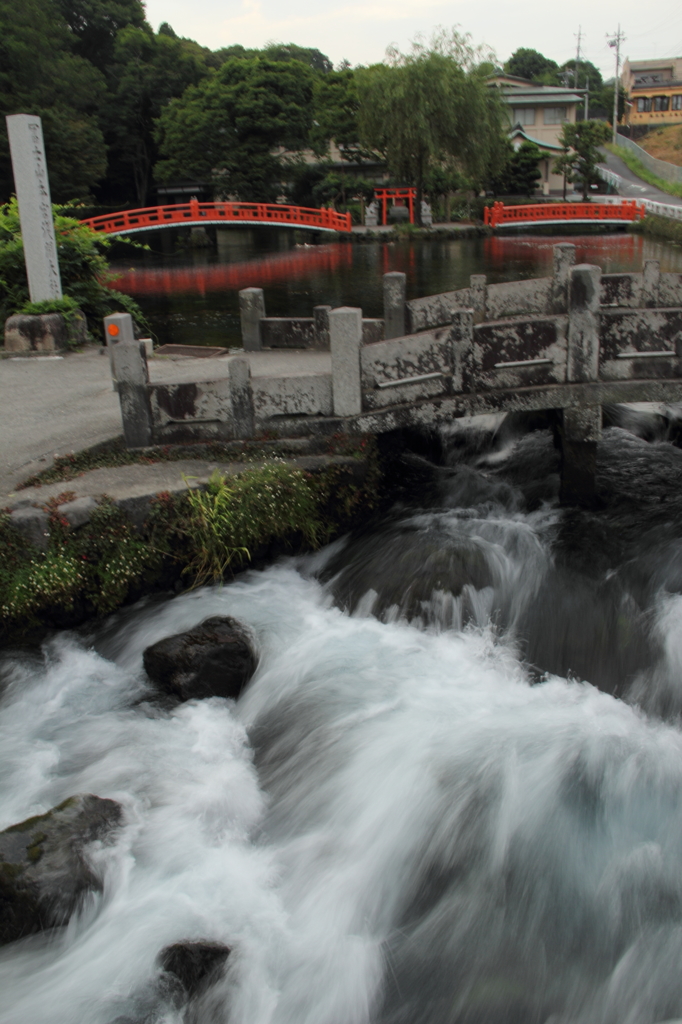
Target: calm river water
(452, 792)
(190, 297)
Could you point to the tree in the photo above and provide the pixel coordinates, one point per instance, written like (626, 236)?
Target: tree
(335, 118)
(95, 24)
(226, 129)
(41, 74)
(580, 142)
(82, 266)
(146, 72)
(534, 66)
(522, 172)
(587, 73)
(421, 108)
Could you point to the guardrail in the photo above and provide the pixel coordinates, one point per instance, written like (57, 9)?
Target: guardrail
(195, 213)
(671, 210)
(543, 213)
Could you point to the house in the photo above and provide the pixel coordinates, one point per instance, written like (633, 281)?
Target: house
(654, 90)
(536, 114)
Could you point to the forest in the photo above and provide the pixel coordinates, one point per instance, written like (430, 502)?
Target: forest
(126, 109)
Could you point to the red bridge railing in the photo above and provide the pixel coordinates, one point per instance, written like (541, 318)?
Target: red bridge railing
(498, 213)
(195, 213)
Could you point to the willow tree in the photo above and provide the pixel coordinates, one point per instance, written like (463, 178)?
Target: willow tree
(433, 106)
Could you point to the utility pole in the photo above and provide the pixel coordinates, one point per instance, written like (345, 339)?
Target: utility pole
(577, 58)
(616, 41)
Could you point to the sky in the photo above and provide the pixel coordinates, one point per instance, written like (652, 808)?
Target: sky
(360, 30)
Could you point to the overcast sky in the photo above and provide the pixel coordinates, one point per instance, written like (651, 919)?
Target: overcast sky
(360, 30)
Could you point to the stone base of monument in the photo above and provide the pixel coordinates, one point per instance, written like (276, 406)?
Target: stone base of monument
(45, 333)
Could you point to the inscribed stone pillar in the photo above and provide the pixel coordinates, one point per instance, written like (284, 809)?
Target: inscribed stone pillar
(345, 338)
(252, 311)
(394, 304)
(35, 208)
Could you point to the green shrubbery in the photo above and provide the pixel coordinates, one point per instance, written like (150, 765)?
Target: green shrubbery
(83, 267)
(202, 535)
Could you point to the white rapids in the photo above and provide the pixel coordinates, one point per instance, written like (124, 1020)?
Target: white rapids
(391, 826)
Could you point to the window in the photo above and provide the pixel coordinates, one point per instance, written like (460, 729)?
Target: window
(555, 115)
(661, 102)
(524, 115)
(644, 105)
(677, 102)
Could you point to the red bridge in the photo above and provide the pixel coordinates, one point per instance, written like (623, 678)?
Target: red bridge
(195, 213)
(499, 215)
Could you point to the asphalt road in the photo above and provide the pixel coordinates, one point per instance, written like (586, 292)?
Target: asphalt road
(633, 187)
(51, 406)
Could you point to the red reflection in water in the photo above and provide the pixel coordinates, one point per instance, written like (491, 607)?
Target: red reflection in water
(220, 277)
(624, 248)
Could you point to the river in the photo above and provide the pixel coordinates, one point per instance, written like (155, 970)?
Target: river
(451, 794)
(191, 296)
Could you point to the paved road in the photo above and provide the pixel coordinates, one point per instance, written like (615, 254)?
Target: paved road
(633, 187)
(52, 406)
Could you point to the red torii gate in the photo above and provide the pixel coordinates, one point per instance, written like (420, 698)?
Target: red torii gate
(384, 194)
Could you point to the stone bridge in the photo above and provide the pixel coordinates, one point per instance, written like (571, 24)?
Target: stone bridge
(571, 342)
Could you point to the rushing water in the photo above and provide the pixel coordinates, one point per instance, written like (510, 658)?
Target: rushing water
(191, 297)
(452, 793)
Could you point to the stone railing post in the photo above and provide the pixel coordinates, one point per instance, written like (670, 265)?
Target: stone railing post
(564, 259)
(478, 284)
(321, 327)
(462, 341)
(241, 395)
(345, 340)
(394, 304)
(581, 429)
(129, 364)
(252, 311)
(583, 323)
(651, 277)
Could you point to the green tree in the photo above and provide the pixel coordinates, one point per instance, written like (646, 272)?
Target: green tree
(530, 64)
(335, 117)
(587, 72)
(82, 265)
(581, 153)
(41, 74)
(146, 72)
(521, 173)
(228, 128)
(95, 24)
(422, 108)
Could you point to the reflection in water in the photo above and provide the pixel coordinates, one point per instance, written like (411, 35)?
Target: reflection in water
(192, 297)
(220, 276)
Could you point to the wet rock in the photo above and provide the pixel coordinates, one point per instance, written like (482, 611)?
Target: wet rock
(214, 659)
(43, 869)
(194, 963)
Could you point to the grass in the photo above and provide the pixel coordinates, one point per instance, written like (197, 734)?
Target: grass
(202, 534)
(664, 143)
(638, 168)
(659, 227)
(111, 454)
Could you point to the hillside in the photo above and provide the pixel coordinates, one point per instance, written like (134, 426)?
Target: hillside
(664, 143)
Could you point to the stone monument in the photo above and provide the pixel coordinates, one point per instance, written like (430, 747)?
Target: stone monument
(25, 133)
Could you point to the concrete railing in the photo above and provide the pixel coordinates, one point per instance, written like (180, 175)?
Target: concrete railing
(630, 323)
(661, 168)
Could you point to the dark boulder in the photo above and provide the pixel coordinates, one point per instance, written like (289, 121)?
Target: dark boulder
(194, 963)
(43, 869)
(214, 659)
